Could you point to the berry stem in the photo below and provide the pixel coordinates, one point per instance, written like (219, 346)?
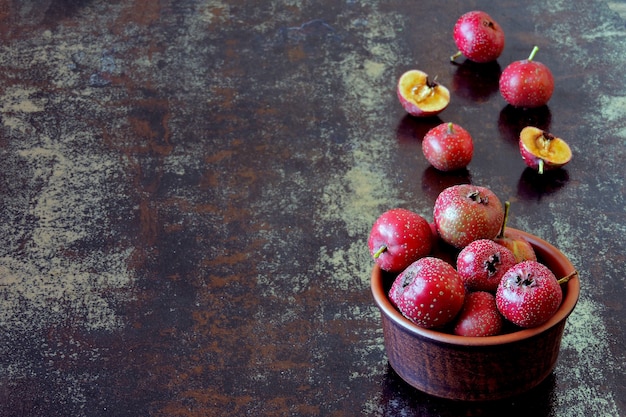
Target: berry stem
(505, 219)
(456, 55)
(380, 251)
(540, 168)
(533, 53)
(567, 277)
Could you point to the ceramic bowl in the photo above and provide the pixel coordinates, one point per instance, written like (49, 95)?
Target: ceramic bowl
(476, 368)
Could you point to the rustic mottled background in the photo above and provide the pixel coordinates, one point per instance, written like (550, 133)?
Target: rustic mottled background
(186, 189)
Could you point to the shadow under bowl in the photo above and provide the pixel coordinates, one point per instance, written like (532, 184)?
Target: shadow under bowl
(476, 368)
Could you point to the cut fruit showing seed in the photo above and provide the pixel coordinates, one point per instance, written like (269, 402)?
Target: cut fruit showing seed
(543, 151)
(421, 96)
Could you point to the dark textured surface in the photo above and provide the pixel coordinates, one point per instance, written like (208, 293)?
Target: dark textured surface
(187, 188)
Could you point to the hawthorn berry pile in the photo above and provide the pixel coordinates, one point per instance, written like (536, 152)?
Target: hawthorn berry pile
(465, 273)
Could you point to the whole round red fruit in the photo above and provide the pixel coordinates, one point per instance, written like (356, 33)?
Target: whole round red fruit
(429, 292)
(479, 316)
(478, 37)
(465, 213)
(528, 294)
(482, 263)
(398, 238)
(448, 147)
(527, 83)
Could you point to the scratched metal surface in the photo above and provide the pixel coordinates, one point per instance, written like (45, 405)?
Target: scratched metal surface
(187, 188)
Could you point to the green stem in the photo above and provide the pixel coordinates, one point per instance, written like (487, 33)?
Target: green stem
(533, 53)
(541, 164)
(379, 251)
(507, 207)
(567, 277)
(455, 56)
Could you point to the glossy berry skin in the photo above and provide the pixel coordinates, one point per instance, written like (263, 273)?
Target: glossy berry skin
(429, 292)
(527, 83)
(528, 294)
(479, 316)
(482, 263)
(398, 238)
(478, 37)
(464, 213)
(448, 147)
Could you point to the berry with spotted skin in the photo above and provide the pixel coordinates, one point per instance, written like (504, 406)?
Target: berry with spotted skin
(429, 292)
(479, 316)
(465, 213)
(527, 83)
(448, 147)
(398, 238)
(482, 263)
(528, 294)
(478, 37)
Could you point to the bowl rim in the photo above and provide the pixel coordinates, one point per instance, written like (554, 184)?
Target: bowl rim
(564, 310)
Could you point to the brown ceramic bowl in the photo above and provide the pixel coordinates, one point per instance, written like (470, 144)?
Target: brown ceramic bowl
(476, 368)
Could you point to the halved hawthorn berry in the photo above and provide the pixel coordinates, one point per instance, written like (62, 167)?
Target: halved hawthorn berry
(543, 151)
(421, 96)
